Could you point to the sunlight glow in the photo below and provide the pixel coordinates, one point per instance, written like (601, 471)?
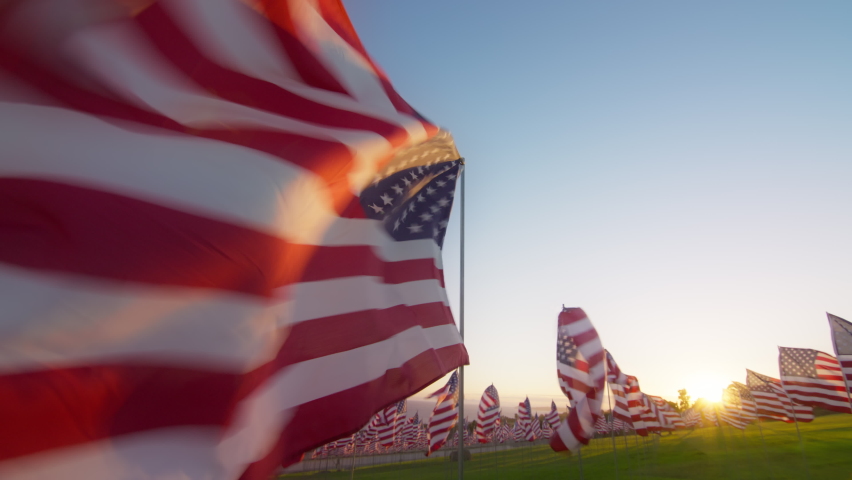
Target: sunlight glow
(705, 385)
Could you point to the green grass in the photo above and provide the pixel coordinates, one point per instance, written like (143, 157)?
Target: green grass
(705, 453)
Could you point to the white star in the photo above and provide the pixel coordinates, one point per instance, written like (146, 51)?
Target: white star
(430, 191)
(443, 202)
(451, 176)
(406, 181)
(435, 209)
(435, 232)
(419, 170)
(411, 206)
(443, 223)
(398, 189)
(440, 183)
(387, 199)
(426, 217)
(377, 209)
(414, 176)
(396, 225)
(404, 214)
(421, 198)
(415, 228)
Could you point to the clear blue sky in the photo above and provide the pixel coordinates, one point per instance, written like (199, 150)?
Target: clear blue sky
(680, 170)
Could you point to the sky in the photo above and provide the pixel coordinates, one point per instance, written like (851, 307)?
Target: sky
(680, 170)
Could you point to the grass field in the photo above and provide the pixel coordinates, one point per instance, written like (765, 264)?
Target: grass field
(705, 453)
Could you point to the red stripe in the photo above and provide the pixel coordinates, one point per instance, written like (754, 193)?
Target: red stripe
(314, 423)
(58, 227)
(328, 159)
(571, 315)
(101, 401)
(792, 387)
(242, 89)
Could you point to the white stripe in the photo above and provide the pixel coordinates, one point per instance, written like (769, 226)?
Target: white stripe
(204, 453)
(204, 177)
(120, 56)
(250, 46)
(179, 453)
(71, 320)
(839, 402)
(821, 381)
(214, 179)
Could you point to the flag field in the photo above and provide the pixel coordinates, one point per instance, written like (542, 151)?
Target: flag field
(705, 453)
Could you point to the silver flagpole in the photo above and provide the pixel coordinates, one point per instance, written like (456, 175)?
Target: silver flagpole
(612, 428)
(461, 326)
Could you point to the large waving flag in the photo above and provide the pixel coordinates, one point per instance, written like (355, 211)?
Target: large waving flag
(814, 378)
(489, 412)
(445, 415)
(220, 223)
(841, 336)
(581, 371)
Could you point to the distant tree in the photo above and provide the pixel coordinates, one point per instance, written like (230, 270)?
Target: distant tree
(683, 399)
(673, 405)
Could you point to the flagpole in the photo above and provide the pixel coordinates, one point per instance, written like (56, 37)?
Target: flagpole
(461, 323)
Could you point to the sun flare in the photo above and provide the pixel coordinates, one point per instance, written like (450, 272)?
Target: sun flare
(705, 385)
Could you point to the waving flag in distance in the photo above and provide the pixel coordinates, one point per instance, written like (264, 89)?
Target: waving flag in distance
(399, 421)
(525, 417)
(691, 418)
(489, 412)
(582, 376)
(747, 404)
(617, 381)
(814, 378)
(669, 418)
(552, 417)
(841, 339)
(709, 412)
(385, 423)
(203, 173)
(445, 415)
(602, 426)
(636, 405)
(731, 409)
(651, 415)
(546, 430)
(519, 433)
(535, 430)
(772, 401)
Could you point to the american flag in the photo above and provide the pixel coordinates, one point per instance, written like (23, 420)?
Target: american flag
(535, 430)
(602, 426)
(747, 403)
(690, 417)
(616, 379)
(772, 401)
(385, 422)
(412, 429)
(546, 429)
(197, 265)
(582, 376)
(841, 336)
(668, 416)
(813, 378)
(730, 411)
(552, 417)
(636, 405)
(489, 412)
(710, 414)
(525, 418)
(505, 432)
(399, 422)
(445, 415)
(519, 433)
(651, 415)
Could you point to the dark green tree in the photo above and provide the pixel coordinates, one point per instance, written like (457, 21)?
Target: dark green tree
(682, 400)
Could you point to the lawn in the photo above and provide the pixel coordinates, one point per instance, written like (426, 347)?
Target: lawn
(705, 453)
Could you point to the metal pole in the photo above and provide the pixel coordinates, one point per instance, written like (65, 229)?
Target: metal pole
(461, 324)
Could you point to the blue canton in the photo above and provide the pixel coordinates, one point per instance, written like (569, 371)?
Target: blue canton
(414, 203)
